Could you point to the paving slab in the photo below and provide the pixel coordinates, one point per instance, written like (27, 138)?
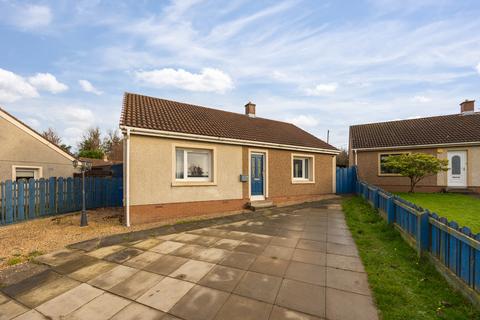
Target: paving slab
(249, 247)
(348, 281)
(359, 307)
(147, 244)
(242, 308)
(306, 272)
(165, 294)
(222, 278)
(258, 286)
(113, 277)
(167, 247)
(345, 262)
(278, 252)
(47, 290)
(101, 308)
(166, 264)
(341, 249)
(123, 255)
(136, 311)
(105, 251)
(11, 309)
(284, 242)
(59, 257)
(312, 245)
(302, 297)
(91, 271)
(270, 266)
(74, 264)
(69, 301)
(240, 260)
(143, 259)
(200, 303)
(213, 255)
(30, 315)
(136, 285)
(279, 313)
(192, 270)
(226, 244)
(308, 256)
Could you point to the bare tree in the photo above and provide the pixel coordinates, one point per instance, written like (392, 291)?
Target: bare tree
(91, 144)
(342, 158)
(113, 146)
(51, 135)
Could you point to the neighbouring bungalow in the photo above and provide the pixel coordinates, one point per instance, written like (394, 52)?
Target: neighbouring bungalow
(183, 160)
(25, 154)
(454, 137)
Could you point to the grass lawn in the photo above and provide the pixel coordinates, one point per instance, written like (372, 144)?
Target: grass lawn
(463, 209)
(404, 286)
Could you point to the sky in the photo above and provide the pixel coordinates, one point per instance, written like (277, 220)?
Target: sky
(322, 65)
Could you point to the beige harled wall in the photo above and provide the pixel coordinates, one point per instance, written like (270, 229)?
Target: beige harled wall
(473, 165)
(152, 165)
(18, 148)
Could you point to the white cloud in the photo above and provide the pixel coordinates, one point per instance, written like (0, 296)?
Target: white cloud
(87, 86)
(14, 87)
(208, 80)
(304, 121)
(478, 67)
(322, 89)
(421, 99)
(47, 82)
(32, 16)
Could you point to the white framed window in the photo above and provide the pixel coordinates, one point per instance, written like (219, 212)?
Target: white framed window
(384, 171)
(26, 172)
(193, 164)
(302, 168)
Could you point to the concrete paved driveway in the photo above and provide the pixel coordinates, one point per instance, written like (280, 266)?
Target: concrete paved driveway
(286, 263)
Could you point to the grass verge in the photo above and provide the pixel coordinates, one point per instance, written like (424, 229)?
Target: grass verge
(404, 286)
(461, 208)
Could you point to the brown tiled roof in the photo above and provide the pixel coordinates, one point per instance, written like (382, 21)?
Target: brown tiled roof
(455, 128)
(159, 114)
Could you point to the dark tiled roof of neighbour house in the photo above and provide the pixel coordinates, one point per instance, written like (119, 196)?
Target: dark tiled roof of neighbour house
(455, 128)
(159, 114)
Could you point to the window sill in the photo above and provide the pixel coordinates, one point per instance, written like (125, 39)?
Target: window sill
(389, 175)
(303, 181)
(193, 183)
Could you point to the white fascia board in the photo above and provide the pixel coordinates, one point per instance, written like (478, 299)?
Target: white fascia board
(422, 146)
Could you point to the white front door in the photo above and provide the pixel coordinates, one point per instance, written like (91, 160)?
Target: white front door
(457, 168)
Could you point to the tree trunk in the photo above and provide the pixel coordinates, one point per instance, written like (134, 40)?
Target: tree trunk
(412, 185)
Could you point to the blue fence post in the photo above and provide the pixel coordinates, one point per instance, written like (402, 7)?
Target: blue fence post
(60, 196)
(52, 190)
(21, 200)
(42, 187)
(390, 210)
(9, 201)
(422, 235)
(32, 189)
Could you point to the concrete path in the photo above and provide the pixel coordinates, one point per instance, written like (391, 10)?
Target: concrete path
(288, 263)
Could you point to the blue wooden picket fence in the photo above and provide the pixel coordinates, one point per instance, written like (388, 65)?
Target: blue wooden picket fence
(456, 249)
(25, 200)
(346, 179)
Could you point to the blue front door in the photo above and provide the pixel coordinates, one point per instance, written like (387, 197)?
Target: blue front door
(257, 174)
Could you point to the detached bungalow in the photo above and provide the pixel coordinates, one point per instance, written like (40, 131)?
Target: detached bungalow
(183, 160)
(25, 154)
(454, 137)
